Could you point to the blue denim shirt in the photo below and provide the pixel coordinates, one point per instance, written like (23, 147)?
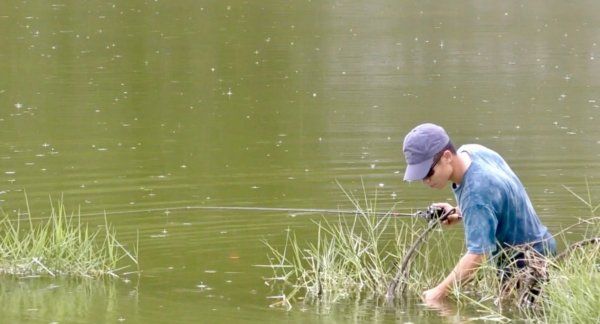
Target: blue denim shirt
(496, 209)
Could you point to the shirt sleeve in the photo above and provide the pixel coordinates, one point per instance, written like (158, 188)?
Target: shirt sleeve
(480, 229)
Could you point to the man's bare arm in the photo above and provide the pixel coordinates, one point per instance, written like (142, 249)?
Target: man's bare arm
(462, 272)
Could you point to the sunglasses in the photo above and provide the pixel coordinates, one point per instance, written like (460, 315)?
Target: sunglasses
(431, 170)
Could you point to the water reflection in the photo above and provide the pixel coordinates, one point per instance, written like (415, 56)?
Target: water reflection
(66, 300)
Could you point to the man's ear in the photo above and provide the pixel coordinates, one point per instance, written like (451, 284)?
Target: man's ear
(447, 155)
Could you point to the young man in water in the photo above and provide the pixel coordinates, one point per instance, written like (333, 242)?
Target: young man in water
(492, 202)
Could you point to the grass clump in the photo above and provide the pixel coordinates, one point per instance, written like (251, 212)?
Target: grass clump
(572, 294)
(59, 246)
(356, 256)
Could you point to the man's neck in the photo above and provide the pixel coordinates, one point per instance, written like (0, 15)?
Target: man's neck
(460, 164)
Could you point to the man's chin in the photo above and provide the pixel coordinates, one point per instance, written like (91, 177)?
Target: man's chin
(439, 186)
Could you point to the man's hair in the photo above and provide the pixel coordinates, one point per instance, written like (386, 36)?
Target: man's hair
(448, 147)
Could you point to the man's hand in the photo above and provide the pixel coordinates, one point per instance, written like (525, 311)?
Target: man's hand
(452, 218)
(463, 272)
(434, 296)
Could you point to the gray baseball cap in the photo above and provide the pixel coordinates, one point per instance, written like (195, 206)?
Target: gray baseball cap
(420, 146)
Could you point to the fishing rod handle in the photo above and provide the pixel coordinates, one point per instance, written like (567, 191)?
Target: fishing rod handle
(438, 213)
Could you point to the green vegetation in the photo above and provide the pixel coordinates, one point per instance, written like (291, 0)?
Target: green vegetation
(59, 246)
(357, 257)
(572, 294)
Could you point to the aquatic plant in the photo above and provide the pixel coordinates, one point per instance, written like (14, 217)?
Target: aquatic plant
(572, 291)
(59, 246)
(356, 257)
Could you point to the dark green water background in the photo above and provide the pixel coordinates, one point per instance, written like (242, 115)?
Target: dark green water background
(140, 105)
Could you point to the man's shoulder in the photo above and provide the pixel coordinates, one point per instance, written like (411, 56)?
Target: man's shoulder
(480, 152)
(487, 171)
(475, 148)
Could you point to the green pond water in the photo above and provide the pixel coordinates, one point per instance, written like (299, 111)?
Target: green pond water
(149, 106)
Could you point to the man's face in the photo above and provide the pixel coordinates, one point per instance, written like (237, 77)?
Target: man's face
(439, 173)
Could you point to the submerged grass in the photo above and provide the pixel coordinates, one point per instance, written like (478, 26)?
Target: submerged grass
(60, 246)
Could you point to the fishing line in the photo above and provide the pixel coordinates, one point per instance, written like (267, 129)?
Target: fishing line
(241, 208)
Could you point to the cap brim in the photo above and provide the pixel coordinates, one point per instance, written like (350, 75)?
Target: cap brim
(416, 172)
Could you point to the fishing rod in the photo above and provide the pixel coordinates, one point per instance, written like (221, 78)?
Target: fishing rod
(435, 215)
(420, 213)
